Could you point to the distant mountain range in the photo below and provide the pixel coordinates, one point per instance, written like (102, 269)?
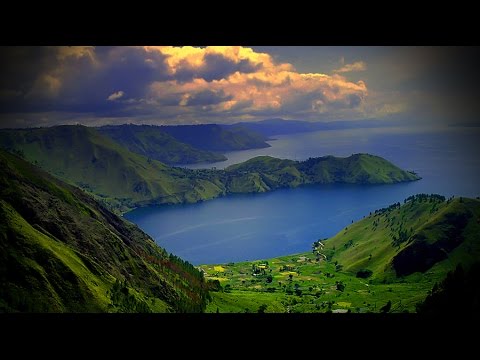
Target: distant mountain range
(215, 137)
(279, 126)
(204, 143)
(184, 144)
(155, 143)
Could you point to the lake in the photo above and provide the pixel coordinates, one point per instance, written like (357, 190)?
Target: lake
(258, 226)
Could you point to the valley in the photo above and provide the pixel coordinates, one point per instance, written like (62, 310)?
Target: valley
(386, 262)
(236, 179)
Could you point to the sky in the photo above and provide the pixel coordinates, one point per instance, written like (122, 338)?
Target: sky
(165, 85)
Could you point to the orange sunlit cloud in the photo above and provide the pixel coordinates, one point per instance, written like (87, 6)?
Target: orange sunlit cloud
(226, 84)
(268, 85)
(174, 84)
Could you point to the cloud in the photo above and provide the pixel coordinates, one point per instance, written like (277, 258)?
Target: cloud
(115, 96)
(356, 66)
(260, 85)
(172, 84)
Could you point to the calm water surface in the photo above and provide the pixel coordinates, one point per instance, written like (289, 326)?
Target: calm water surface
(248, 227)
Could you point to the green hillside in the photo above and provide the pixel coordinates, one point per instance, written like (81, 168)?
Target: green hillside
(83, 157)
(264, 173)
(355, 169)
(152, 142)
(459, 291)
(61, 251)
(426, 232)
(124, 180)
(387, 262)
(215, 137)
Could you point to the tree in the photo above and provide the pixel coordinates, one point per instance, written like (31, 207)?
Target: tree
(364, 273)
(262, 309)
(340, 286)
(386, 308)
(269, 279)
(459, 291)
(214, 285)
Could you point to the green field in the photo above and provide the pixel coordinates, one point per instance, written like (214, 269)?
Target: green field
(326, 279)
(311, 288)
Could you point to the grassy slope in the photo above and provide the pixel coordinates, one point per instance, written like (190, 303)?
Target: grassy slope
(154, 143)
(83, 157)
(460, 290)
(358, 168)
(60, 250)
(124, 180)
(265, 173)
(217, 138)
(430, 221)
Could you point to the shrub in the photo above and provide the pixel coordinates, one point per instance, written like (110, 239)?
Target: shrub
(214, 285)
(364, 273)
(262, 308)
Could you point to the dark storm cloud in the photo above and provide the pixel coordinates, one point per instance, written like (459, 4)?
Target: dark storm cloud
(19, 66)
(214, 67)
(39, 79)
(208, 98)
(218, 67)
(85, 82)
(55, 83)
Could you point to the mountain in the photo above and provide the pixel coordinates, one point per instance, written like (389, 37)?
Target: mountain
(458, 292)
(61, 251)
(83, 157)
(154, 143)
(387, 262)
(277, 126)
(215, 137)
(124, 180)
(425, 232)
(266, 173)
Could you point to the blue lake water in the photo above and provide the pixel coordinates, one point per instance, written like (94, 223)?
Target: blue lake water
(258, 226)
